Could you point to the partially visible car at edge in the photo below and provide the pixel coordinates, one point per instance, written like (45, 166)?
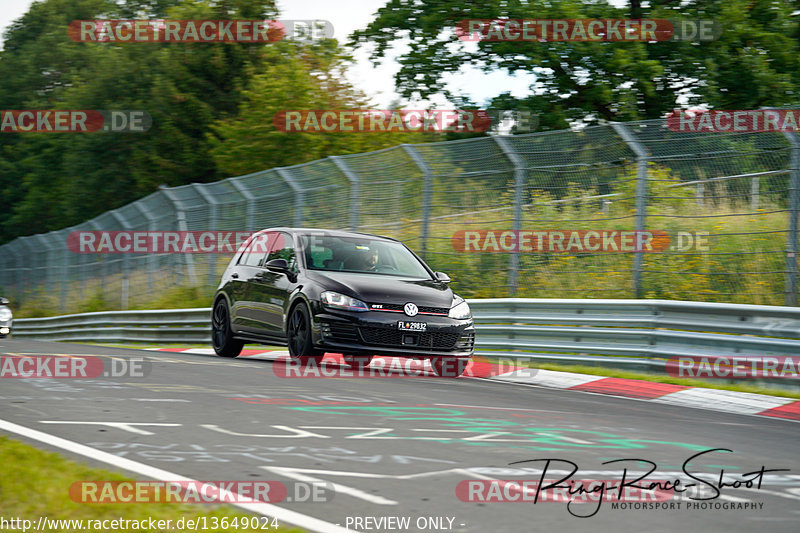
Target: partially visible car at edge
(6, 317)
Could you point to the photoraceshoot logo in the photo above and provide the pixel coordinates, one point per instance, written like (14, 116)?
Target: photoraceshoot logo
(74, 121)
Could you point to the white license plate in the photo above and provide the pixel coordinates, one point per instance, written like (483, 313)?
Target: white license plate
(411, 326)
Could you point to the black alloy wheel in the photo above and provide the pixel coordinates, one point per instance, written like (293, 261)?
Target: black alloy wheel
(221, 334)
(298, 336)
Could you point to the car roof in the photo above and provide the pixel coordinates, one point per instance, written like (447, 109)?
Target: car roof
(330, 232)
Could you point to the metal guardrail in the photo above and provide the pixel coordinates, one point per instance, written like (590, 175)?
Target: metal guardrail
(161, 326)
(630, 334)
(637, 335)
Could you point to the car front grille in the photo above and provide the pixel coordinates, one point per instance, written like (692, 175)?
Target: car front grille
(393, 337)
(423, 310)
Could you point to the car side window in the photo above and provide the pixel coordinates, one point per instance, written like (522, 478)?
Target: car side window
(256, 251)
(283, 248)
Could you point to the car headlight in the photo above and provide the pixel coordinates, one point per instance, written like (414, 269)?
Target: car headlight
(335, 300)
(5, 314)
(461, 310)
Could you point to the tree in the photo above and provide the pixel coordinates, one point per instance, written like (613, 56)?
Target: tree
(753, 64)
(54, 180)
(294, 76)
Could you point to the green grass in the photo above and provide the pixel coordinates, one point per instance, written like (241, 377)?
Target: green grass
(36, 483)
(91, 299)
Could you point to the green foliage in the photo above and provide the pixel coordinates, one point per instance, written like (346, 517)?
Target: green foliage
(211, 104)
(754, 63)
(293, 77)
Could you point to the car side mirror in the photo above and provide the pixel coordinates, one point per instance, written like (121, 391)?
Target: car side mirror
(441, 276)
(277, 265)
(4, 301)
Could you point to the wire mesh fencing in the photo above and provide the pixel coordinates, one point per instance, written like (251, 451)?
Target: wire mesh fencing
(631, 210)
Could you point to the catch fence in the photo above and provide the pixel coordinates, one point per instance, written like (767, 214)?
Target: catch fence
(723, 208)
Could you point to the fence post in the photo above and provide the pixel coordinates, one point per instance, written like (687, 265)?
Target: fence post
(355, 190)
(5, 269)
(519, 185)
(66, 272)
(21, 277)
(250, 200)
(180, 216)
(152, 259)
(212, 260)
(101, 258)
(27, 265)
(299, 194)
(427, 189)
(794, 207)
(49, 276)
(125, 263)
(641, 199)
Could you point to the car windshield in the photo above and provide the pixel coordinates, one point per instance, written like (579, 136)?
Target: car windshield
(361, 254)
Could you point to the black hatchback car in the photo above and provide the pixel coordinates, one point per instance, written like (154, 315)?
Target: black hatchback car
(360, 295)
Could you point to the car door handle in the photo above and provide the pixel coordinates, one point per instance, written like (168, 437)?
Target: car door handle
(235, 275)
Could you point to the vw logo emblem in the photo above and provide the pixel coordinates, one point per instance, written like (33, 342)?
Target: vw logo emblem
(410, 309)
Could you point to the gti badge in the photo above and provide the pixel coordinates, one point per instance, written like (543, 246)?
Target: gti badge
(410, 309)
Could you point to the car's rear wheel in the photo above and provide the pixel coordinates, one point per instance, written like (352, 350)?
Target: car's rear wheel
(449, 367)
(298, 336)
(357, 361)
(222, 334)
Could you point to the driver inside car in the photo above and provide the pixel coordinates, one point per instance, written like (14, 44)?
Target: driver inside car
(370, 260)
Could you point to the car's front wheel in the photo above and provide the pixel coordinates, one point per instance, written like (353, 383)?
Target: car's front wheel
(298, 336)
(449, 367)
(221, 333)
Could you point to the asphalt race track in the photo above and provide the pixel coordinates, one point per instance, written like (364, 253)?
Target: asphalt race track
(399, 447)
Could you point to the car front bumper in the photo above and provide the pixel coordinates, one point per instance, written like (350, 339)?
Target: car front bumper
(377, 333)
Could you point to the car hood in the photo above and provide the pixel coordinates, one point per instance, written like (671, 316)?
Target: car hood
(375, 288)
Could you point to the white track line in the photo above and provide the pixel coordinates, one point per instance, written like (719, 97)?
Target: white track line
(266, 509)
